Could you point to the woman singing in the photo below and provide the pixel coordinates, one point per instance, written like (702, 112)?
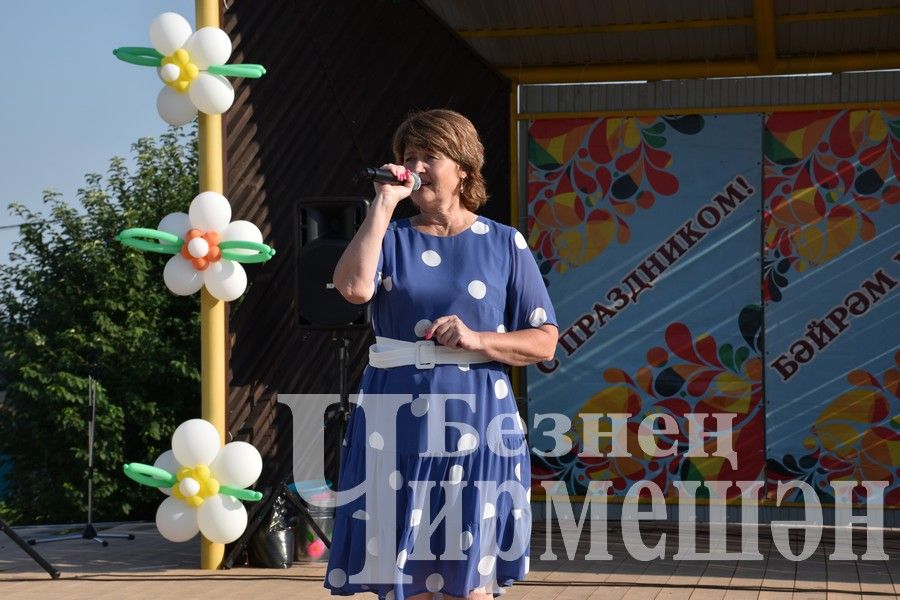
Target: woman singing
(455, 297)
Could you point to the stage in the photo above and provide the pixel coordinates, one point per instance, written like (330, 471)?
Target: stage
(151, 567)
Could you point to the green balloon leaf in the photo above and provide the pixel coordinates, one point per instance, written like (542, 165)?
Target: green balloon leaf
(248, 71)
(241, 494)
(160, 241)
(149, 475)
(137, 55)
(160, 478)
(263, 254)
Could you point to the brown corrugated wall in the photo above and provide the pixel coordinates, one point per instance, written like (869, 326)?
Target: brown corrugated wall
(341, 75)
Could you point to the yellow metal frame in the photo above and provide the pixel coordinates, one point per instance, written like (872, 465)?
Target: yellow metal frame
(763, 21)
(212, 310)
(701, 69)
(718, 110)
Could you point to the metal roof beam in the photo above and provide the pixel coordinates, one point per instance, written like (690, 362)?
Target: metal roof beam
(700, 69)
(613, 28)
(676, 25)
(764, 23)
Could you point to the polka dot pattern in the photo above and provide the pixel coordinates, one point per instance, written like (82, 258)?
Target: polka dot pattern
(401, 559)
(501, 390)
(518, 471)
(337, 578)
(537, 317)
(387, 283)
(395, 480)
(456, 474)
(431, 258)
(376, 441)
(477, 289)
(480, 228)
(521, 244)
(467, 442)
(434, 582)
(361, 514)
(372, 546)
(421, 327)
(501, 328)
(486, 565)
(463, 368)
(466, 539)
(415, 517)
(419, 406)
(489, 511)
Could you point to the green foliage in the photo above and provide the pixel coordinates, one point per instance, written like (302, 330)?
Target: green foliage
(71, 292)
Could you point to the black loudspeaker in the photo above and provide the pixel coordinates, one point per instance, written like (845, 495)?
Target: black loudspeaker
(324, 229)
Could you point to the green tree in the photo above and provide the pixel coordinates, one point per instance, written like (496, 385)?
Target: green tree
(72, 294)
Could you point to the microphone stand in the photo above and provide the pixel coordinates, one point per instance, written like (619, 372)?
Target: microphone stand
(89, 532)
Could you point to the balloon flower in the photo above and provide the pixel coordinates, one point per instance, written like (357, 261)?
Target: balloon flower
(204, 482)
(207, 248)
(192, 67)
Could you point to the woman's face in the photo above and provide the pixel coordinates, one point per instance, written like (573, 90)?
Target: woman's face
(440, 176)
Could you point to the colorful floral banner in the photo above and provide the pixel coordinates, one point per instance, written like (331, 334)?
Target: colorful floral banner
(742, 265)
(831, 226)
(647, 231)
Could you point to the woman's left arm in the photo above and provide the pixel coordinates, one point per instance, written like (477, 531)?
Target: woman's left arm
(516, 348)
(520, 348)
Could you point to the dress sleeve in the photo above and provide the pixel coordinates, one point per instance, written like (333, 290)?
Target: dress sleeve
(527, 300)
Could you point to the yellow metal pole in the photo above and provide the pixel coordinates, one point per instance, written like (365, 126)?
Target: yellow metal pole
(212, 310)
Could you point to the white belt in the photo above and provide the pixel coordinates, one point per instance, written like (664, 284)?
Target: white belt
(424, 354)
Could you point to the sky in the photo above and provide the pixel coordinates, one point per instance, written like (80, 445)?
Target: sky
(67, 105)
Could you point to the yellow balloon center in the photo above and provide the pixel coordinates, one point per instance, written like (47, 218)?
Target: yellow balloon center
(200, 474)
(187, 71)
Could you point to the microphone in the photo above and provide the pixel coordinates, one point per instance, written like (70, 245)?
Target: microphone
(385, 176)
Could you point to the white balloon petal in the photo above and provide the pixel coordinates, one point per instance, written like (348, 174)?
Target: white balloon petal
(195, 442)
(176, 521)
(167, 462)
(169, 32)
(237, 465)
(177, 223)
(175, 108)
(208, 46)
(242, 230)
(225, 280)
(222, 519)
(211, 94)
(181, 277)
(209, 211)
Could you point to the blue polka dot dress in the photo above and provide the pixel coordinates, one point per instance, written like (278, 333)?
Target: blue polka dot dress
(435, 467)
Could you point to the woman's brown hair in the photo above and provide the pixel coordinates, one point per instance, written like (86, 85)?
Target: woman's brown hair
(454, 136)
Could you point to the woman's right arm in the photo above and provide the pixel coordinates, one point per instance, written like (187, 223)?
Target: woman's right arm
(354, 275)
